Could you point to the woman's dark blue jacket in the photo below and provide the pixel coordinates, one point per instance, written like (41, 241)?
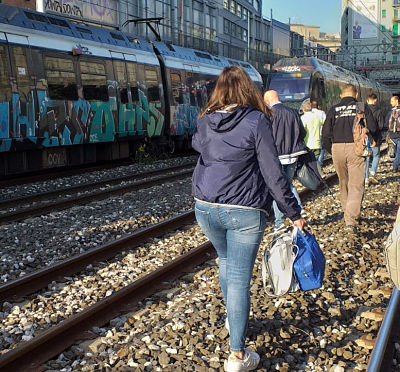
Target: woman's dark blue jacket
(238, 163)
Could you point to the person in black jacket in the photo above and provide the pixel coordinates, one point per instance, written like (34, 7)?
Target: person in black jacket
(337, 139)
(289, 133)
(370, 175)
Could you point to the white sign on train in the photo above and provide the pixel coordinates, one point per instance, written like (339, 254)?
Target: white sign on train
(289, 68)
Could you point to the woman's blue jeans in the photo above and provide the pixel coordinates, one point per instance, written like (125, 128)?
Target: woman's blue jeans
(236, 234)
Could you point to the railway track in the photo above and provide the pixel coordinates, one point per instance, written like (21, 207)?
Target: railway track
(75, 196)
(57, 338)
(28, 350)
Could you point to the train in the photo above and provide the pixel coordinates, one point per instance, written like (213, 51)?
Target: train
(308, 78)
(73, 93)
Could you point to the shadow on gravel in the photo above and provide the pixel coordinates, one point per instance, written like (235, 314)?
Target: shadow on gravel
(330, 218)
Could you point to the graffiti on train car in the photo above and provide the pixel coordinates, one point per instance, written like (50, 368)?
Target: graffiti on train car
(183, 119)
(60, 123)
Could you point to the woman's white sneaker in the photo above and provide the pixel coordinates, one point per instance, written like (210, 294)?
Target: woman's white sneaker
(248, 363)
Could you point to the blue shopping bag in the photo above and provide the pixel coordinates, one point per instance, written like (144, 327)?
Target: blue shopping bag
(309, 265)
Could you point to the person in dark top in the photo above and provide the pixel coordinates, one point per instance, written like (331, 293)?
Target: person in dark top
(237, 176)
(289, 133)
(370, 175)
(394, 131)
(337, 139)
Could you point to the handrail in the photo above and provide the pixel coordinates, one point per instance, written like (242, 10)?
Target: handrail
(381, 343)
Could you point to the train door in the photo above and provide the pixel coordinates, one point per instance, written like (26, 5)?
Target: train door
(5, 98)
(179, 99)
(156, 112)
(127, 93)
(318, 90)
(22, 99)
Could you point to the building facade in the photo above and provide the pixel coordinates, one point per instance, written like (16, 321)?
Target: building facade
(369, 32)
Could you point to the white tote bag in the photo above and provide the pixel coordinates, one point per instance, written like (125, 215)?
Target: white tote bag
(277, 266)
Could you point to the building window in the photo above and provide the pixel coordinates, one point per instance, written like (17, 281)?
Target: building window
(383, 28)
(232, 6)
(239, 10)
(395, 59)
(395, 29)
(396, 13)
(383, 13)
(226, 26)
(225, 4)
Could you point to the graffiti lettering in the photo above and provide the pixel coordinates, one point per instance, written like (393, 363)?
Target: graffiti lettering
(55, 159)
(101, 10)
(53, 123)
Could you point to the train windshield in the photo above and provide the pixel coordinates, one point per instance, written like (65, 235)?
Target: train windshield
(291, 86)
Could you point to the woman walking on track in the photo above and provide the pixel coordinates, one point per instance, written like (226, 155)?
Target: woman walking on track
(237, 176)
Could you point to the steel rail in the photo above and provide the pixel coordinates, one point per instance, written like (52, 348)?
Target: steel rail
(88, 185)
(41, 278)
(52, 173)
(82, 199)
(29, 355)
(380, 361)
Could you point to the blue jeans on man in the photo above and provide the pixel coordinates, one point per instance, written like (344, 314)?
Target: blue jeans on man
(289, 170)
(321, 157)
(376, 155)
(236, 234)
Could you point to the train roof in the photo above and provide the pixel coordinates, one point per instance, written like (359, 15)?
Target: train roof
(68, 35)
(196, 60)
(36, 23)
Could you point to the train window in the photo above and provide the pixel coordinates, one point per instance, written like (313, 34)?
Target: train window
(202, 55)
(36, 17)
(58, 22)
(117, 36)
(83, 30)
(210, 84)
(5, 88)
(61, 78)
(94, 81)
(176, 85)
(153, 92)
(21, 70)
(131, 68)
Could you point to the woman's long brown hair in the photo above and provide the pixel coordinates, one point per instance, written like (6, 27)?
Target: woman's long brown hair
(234, 86)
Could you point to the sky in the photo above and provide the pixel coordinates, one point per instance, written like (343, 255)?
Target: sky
(323, 13)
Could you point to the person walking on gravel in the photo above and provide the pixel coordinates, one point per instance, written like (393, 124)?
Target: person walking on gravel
(288, 133)
(337, 139)
(237, 176)
(370, 175)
